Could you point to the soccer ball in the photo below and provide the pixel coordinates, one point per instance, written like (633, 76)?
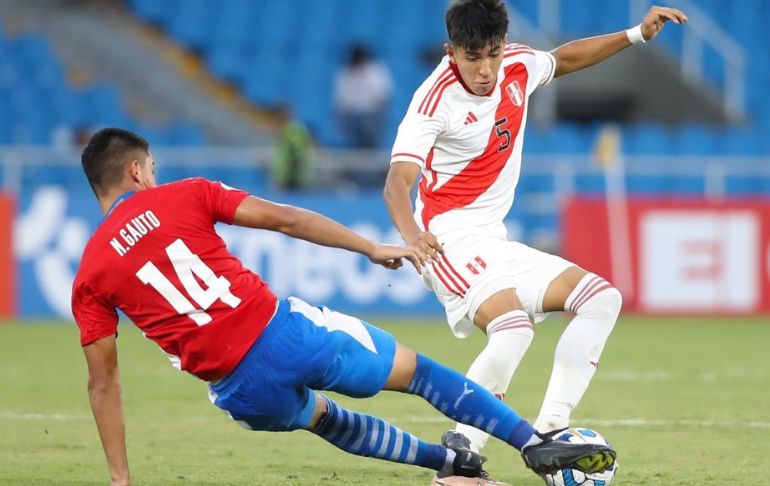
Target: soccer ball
(574, 477)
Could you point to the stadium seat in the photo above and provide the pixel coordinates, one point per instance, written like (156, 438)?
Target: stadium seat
(590, 183)
(696, 140)
(686, 185)
(648, 139)
(154, 11)
(743, 185)
(645, 184)
(191, 23)
(185, 134)
(735, 141)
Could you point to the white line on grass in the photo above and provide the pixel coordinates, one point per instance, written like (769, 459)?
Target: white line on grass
(38, 416)
(629, 422)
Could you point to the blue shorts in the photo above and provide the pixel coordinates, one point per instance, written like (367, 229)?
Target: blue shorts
(304, 348)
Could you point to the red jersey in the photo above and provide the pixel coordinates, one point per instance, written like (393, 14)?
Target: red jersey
(157, 258)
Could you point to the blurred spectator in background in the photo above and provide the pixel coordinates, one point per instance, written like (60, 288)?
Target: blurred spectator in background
(290, 167)
(362, 90)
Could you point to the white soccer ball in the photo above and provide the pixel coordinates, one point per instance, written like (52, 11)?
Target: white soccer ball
(574, 477)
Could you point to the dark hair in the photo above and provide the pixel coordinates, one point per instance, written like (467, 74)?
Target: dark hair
(359, 55)
(474, 24)
(107, 153)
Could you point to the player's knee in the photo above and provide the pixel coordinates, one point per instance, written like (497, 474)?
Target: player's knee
(320, 410)
(607, 302)
(404, 367)
(524, 332)
(612, 300)
(500, 344)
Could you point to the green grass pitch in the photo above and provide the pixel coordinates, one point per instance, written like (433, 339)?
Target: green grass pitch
(684, 401)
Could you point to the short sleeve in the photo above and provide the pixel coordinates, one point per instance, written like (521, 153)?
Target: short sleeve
(220, 200)
(416, 136)
(95, 317)
(425, 118)
(541, 67)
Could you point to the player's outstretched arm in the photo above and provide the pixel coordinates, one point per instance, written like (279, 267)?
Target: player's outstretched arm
(301, 223)
(583, 53)
(104, 393)
(398, 186)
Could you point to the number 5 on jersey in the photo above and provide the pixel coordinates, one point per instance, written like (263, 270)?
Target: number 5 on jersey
(188, 266)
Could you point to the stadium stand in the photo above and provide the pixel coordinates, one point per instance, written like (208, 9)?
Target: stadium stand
(38, 105)
(256, 46)
(275, 56)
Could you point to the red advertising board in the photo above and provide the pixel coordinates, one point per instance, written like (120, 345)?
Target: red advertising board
(7, 273)
(676, 256)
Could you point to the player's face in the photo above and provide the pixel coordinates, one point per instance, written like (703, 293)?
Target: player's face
(478, 68)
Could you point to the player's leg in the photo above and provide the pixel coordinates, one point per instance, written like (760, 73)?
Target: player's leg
(461, 399)
(357, 359)
(364, 360)
(370, 436)
(306, 345)
(596, 305)
(488, 300)
(509, 333)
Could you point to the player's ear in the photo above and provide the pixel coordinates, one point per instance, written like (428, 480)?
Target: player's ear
(135, 171)
(450, 51)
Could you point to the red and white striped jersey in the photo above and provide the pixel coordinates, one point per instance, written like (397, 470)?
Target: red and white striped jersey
(469, 146)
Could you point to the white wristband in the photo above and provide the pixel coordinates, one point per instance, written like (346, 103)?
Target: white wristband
(635, 35)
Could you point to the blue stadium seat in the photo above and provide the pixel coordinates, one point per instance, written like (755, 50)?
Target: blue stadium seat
(155, 11)
(190, 24)
(315, 19)
(432, 25)
(37, 103)
(646, 184)
(648, 139)
(578, 19)
(185, 134)
(590, 183)
(528, 8)
(535, 141)
(364, 21)
(564, 138)
(696, 140)
(735, 141)
(536, 183)
(687, 185)
(268, 76)
(226, 64)
(30, 51)
(743, 185)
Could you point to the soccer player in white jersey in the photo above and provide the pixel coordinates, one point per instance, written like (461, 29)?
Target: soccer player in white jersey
(464, 132)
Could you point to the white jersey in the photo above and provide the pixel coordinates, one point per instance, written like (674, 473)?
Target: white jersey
(469, 146)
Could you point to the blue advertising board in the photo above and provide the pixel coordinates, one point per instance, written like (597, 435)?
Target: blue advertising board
(54, 224)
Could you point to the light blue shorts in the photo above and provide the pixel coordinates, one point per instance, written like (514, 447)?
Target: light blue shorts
(304, 348)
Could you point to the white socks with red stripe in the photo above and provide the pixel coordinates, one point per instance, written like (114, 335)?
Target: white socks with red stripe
(596, 304)
(509, 337)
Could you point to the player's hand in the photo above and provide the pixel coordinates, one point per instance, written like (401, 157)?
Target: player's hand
(427, 244)
(120, 482)
(656, 17)
(391, 256)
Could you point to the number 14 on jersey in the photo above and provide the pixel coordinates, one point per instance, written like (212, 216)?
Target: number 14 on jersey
(188, 266)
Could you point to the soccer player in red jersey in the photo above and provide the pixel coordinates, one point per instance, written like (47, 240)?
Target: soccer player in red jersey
(464, 133)
(157, 258)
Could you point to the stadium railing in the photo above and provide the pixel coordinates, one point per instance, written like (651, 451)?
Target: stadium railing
(547, 181)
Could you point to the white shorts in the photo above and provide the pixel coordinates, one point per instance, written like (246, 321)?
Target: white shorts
(474, 268)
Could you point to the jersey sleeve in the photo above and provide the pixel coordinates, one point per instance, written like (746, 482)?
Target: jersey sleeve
(219, 199)
(95, 317)
(420, 127)
(541, 67)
